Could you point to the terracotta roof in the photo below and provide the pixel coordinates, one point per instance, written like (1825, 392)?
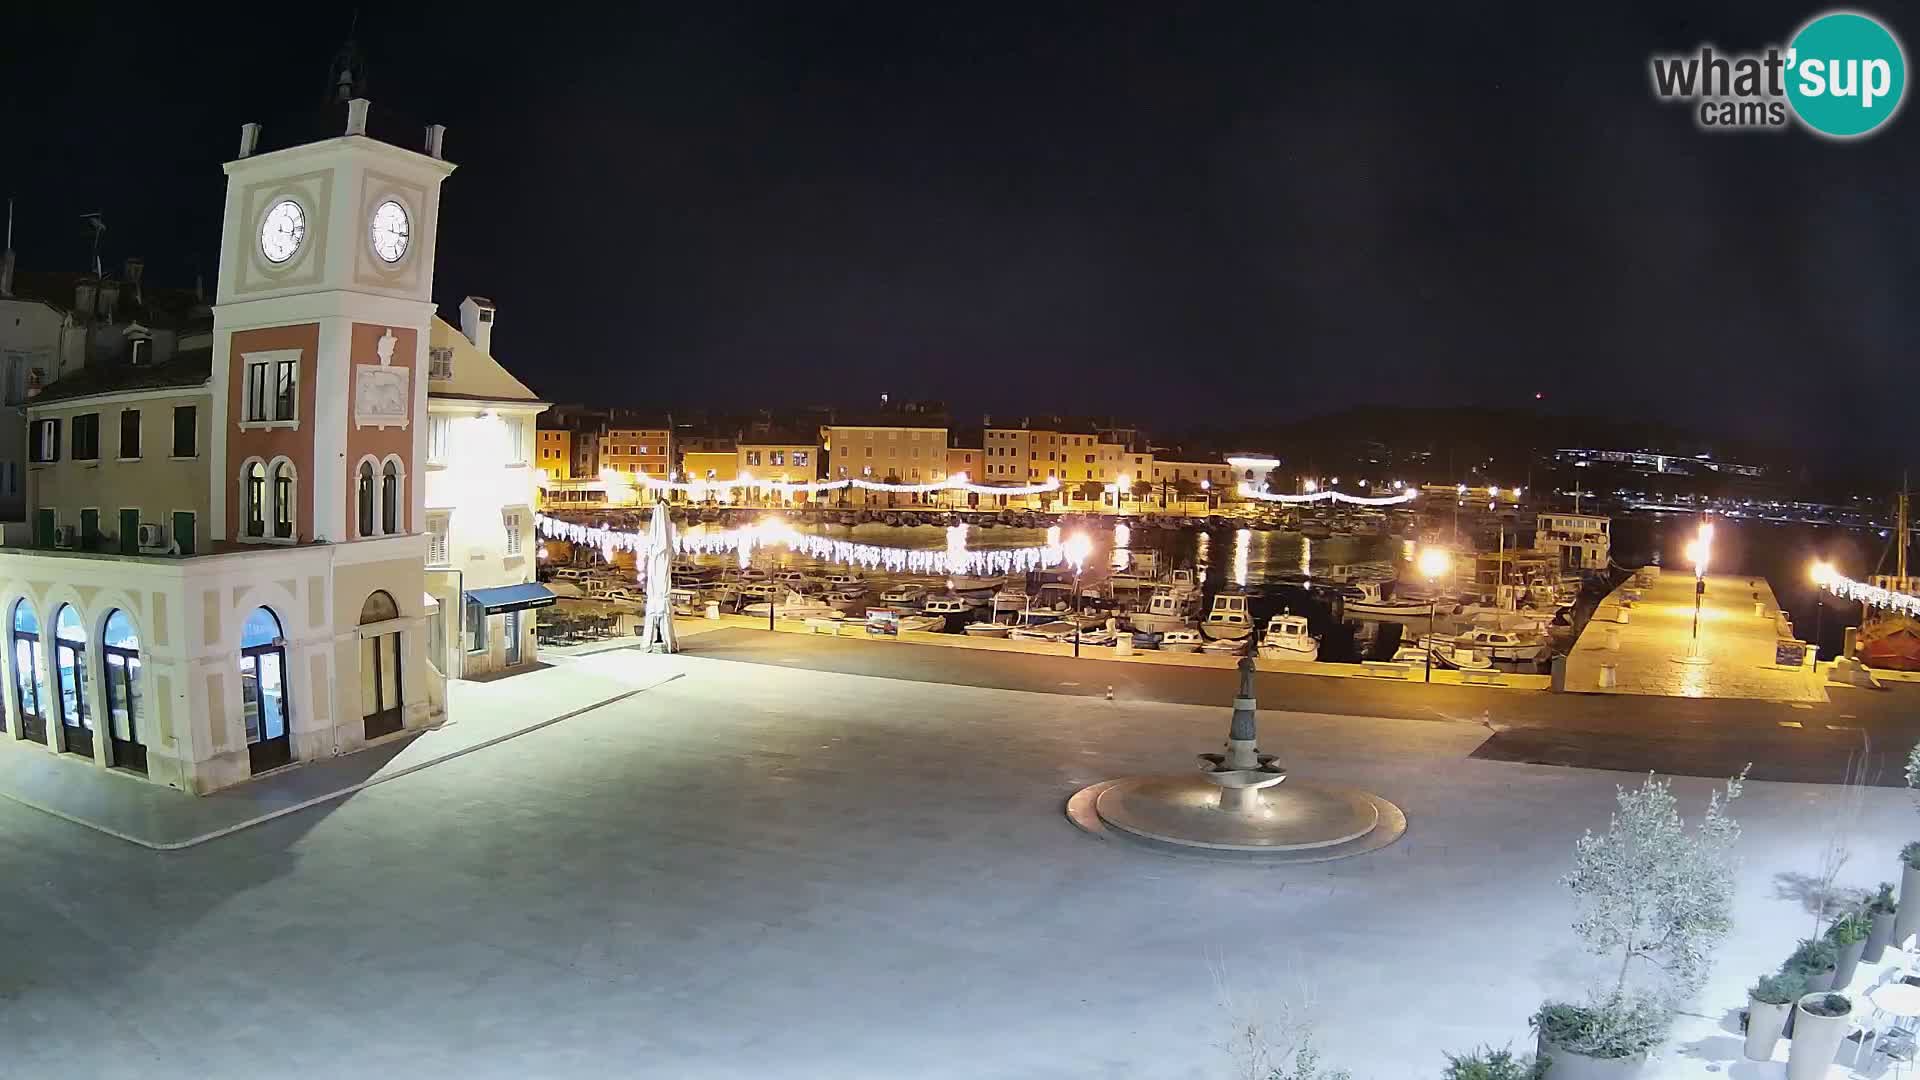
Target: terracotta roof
(188, 368)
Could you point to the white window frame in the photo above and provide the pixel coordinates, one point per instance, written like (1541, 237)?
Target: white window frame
(513, 523)
(516, 439)
(269, 362)
(439, 538)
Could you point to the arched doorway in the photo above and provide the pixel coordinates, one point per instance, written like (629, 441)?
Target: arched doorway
(263, 691)
(380, 700)
(30, 674)
(120, 661)
(70, 672)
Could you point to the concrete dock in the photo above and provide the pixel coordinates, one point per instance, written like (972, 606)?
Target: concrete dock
(1653, 651)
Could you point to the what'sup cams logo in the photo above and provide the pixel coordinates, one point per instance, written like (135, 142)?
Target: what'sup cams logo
(1842, 76)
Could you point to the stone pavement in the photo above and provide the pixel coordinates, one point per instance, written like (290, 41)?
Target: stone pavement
(763, 872)
(1738, 645)
(161, 818)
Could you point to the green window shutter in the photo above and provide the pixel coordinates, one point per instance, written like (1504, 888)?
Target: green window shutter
(43, 528)
(183, 531)
(129, 532)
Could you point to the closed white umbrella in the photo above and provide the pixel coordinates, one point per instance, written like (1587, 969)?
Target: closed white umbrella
(657, 634)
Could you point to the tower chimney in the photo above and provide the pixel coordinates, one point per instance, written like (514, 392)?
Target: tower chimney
(476, 321)
(136, 268)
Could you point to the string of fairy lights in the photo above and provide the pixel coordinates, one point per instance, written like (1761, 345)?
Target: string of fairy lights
(955, 558)
(1871, 595)
(1328, 496)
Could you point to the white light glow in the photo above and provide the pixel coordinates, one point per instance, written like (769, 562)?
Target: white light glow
(773, 530)
(1246, 491)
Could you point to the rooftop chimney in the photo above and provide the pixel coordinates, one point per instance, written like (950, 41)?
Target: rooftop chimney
(84, 291)
(136, 267)
(249, 138)
(436, 139)
(357, 116)
(6, 272)
(476, 321)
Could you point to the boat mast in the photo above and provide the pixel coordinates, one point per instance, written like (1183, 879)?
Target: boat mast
(1900, 563)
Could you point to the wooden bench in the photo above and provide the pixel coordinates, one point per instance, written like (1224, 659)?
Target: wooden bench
(1482, 678)
(1384, 669)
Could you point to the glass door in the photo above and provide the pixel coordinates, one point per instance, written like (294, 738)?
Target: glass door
(28, 690)
(513, 638)
(263, 689)
(70, 673)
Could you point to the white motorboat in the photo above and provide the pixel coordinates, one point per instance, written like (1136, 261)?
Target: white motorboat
(988, 629)
(1224, 647)
(795, 606)
(966, 583)
(1363, 600)
(906, 593)
(1166, 610)
(1227, 620)
(1181, 641)
(1288, 638)
(846, 583)
(928, 624)
(1057, 630)
(842, 599)
(954, 611)
(1011, 598)
(1445, 655)
(1509, 646)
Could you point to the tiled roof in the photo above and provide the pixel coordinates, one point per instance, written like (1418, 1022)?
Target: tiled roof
(189, 368)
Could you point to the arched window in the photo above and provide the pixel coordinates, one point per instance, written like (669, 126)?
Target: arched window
(263, 691)
(120, 658)
(70, 672)
(365, 498)
(30, 674)
(283, 478)
(379, 608)
(254, 493)
(390, 498)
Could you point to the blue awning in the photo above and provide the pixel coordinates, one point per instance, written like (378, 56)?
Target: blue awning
(511, 597)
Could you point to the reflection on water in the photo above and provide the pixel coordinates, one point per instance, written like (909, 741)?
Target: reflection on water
(1242, 540)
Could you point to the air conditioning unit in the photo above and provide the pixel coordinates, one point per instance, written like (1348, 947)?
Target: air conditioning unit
(152, 537)
(63, 536)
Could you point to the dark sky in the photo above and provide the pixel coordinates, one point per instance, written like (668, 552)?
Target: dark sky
(1228, 213)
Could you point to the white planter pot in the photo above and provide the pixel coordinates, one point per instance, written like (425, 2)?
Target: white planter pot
(1764, 1024)
(1816, 1041)
(1906, 918)
(1567, 1065)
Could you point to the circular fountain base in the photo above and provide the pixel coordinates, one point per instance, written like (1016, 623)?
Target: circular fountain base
(1297, 821)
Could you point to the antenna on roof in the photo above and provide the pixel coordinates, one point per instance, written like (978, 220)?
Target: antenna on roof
(98, 223)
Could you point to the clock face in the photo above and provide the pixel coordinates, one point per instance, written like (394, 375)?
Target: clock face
(282, 231)
(390, 231)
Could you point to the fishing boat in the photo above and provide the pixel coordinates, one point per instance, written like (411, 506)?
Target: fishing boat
(1366, 600)
(988, 629)
(1890, 640)
(1166, 610)
(1227, 620)
(1011, 598)
(961, 583)
(846, 582)
(1288, 638)
(954, 611)
(1506, 646)
(925, 624)
(1181, 641)
(1444, 656)
(904, 593)
(795, 606)
(1221, 647)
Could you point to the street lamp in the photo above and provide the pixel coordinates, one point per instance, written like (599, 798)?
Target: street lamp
(1120, 488)
(1822, 573)
(1698, 553)
(1206, 491)
(1076, 549)
(1433, 563)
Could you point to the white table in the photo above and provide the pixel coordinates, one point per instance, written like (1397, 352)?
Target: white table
(1897, 999)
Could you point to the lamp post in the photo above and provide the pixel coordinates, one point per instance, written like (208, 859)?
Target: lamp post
(1433, 562)
(1698, 552)
(1822, 573)
(1206, 492)
(1076, 550)
(1120, 488)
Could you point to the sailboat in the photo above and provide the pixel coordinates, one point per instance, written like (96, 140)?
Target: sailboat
(1890, 640)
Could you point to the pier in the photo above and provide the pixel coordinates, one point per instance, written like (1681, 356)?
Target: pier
(1653, 652)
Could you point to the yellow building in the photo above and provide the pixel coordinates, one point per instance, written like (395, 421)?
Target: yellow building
(789, 461)
(638, 449)
(553, 452)
(710, 465)
(1191, 486)
(904, 454)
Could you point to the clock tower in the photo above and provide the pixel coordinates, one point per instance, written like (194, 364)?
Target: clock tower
(321, 320)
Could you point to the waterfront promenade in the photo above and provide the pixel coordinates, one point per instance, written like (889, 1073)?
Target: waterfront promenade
(1656, 653)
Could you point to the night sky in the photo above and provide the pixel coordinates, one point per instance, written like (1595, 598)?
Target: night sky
(1234, 214)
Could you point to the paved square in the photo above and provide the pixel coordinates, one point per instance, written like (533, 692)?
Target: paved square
(754, 872)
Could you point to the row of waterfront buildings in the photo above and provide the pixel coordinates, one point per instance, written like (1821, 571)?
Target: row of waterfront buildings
(592, 458)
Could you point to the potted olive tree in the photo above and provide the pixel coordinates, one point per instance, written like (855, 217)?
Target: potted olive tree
(1820, 1021)
(1656, 897)
(1489, 1064)
(1880, 911)
(1768, 1005)
(1849, 936)
(1817, 959)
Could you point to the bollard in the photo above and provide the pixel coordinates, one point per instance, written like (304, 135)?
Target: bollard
(1759, 607)
(1613, 639)
(1109, 693)
(1123, 645)
(713, 609)
(1609, 677)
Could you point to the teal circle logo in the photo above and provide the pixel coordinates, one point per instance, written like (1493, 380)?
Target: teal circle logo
(1846, 74)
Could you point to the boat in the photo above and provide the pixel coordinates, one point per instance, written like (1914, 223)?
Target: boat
(1887, 639)
(966, 583)
(904, 593)
(842, 599)
(926, 624)
(954, 611)
(1366, 600)
(795, 606)
(1227, 620)
(1166, 610)
(846, 582)
(1505, 646)
(988, 629)
(1221, 647)
(1444, 656)
(1181, 641)
(1288, 638)
(1011, 598)
(1056, 630)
